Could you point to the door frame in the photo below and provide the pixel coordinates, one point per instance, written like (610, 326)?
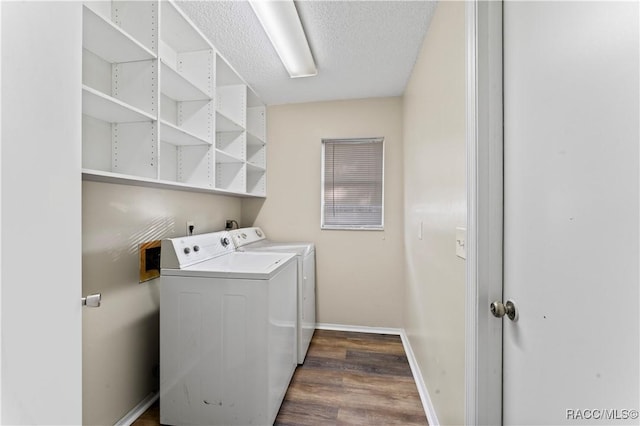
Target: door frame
(484, 134)
(40, 208)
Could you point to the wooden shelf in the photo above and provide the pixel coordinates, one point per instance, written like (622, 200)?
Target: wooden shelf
(177, 87)
(109, 109)
(109, 41)
(176, 136)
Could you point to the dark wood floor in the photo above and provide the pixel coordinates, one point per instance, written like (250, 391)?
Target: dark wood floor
(346, 379)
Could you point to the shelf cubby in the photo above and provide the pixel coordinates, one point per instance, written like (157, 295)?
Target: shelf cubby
(232, 143)
(257, 155)
(117, 137)
(139, 18)
(231, 103)
(110, 42)
(186, 55)
(113, 61)
(256, 125)
(256, 145)
(226, 124)
(225, 74)
(131, 83)
(189, 164)
(230, 176)
(177, 87)
(256, 180)
(178, 31)
(135, 149)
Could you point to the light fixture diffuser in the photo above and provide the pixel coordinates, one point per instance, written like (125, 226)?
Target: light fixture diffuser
(281, 22)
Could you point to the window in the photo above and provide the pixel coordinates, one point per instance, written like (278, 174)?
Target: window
(352, 184)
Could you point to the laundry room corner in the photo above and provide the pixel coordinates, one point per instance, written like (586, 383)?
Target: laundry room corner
(121, 338)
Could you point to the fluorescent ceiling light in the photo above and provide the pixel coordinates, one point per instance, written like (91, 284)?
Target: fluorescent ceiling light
(281, 22)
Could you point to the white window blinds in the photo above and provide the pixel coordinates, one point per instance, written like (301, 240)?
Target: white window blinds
(352, 184)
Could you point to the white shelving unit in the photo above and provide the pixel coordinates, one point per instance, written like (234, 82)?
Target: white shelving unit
(161, 107)
(119, 90)
(256, 145)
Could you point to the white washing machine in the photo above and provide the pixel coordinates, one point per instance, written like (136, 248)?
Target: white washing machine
(254, 240)
(227, 332)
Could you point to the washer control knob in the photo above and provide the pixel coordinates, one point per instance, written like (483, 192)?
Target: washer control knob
(196, 248)
(258, 233)
(187, 250)
(244, 236)
(224, 242)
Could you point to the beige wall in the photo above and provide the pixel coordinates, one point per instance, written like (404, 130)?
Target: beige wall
(360, 277)
(120, 339)
(434, 164)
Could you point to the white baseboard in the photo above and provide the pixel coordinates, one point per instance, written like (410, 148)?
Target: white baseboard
(359, 329)
(429, 411)
(138, 410)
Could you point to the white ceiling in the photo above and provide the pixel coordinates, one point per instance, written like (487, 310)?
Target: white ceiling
(362, 49)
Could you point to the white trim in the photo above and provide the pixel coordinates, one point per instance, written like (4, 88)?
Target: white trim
(359, 329)
(138, 410)
(471, 408)
(483, 353)
(1, 351)
(427, 405)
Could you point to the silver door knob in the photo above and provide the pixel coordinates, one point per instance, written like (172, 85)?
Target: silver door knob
(92, 300)
(498, 309)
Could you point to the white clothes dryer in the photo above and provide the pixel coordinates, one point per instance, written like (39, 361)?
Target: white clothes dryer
(227, 332)
(254, 240)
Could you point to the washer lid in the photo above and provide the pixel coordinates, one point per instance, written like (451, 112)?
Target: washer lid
(247, 265)
(301, 249)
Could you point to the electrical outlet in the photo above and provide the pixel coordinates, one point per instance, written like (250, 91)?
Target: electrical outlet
(191, 226)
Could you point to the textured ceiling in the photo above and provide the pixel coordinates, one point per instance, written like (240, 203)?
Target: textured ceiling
(362, 49)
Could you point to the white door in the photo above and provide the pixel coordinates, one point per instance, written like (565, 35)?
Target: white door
(571, 191)
(41, 372)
